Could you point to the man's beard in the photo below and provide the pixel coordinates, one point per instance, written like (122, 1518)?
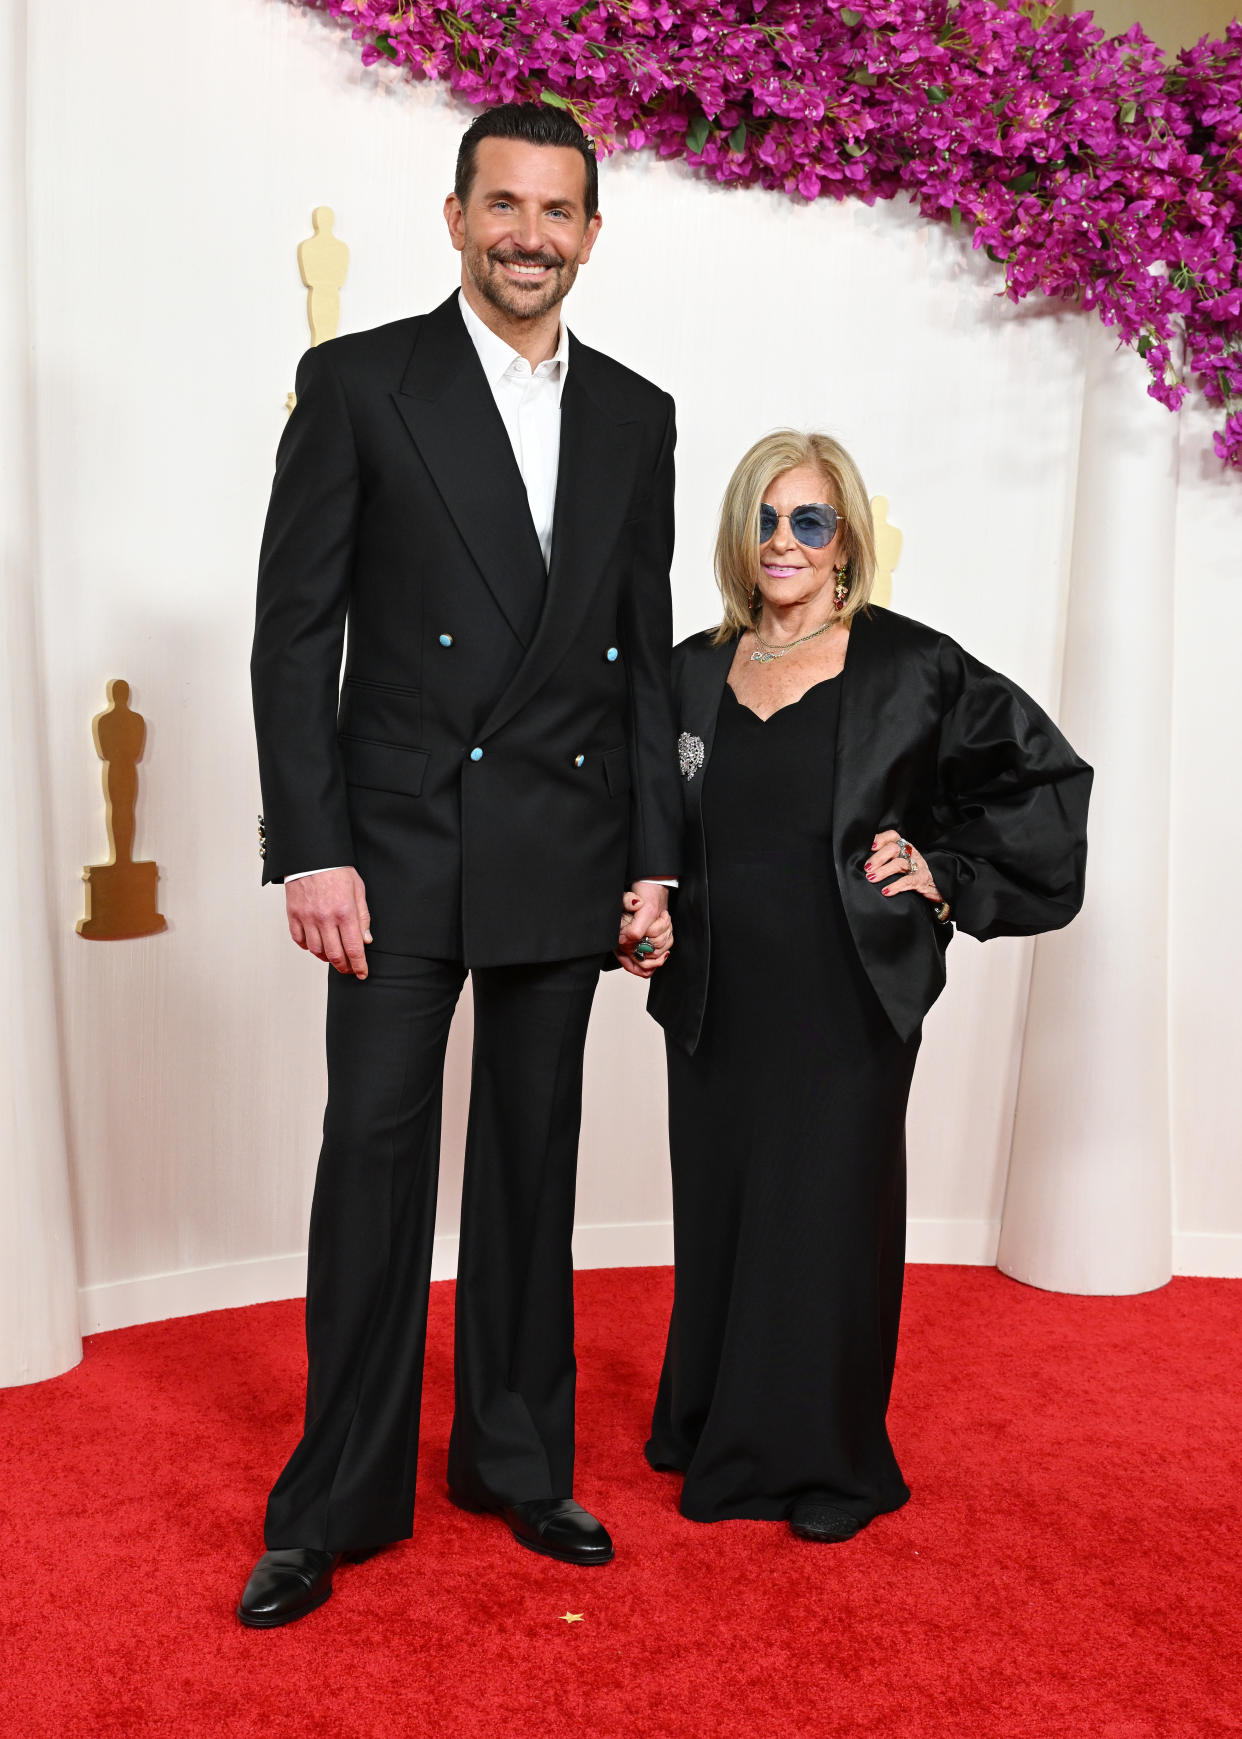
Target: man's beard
(510, 298)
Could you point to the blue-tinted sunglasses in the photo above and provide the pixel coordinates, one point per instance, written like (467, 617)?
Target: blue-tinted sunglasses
(814, 524)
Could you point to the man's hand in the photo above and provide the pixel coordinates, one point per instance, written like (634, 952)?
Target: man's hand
(328, 917)
(645, 910)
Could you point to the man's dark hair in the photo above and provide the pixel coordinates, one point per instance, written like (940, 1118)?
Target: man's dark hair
(536, 124)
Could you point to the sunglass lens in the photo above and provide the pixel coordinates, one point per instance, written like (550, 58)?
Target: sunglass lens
(768, 523)
(814, 526)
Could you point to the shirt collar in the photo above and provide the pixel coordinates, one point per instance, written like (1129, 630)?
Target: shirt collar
(498, 357)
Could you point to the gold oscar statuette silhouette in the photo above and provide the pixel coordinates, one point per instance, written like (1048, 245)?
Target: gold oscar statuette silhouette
(120, 894)
(323, 260)
(887, 552)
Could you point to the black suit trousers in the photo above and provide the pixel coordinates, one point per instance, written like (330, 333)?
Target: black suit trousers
(349, 1484)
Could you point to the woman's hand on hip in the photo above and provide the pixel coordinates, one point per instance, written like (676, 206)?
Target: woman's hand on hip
(891, 855)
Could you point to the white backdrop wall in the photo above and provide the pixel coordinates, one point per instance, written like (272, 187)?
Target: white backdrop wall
(172, 168)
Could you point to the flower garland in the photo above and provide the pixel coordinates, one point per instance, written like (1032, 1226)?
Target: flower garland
(1090, 168)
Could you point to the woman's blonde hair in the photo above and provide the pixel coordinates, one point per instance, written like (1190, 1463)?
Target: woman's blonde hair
(737, 539)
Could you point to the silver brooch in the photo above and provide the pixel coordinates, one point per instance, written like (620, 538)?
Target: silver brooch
(690, 754)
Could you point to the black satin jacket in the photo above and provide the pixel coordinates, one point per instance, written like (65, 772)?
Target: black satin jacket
(933, 743)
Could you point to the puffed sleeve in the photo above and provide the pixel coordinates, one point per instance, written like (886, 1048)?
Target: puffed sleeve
(1009, 850)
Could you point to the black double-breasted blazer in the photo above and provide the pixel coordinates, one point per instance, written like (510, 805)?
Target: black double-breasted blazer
(498, 762)
(955, 757)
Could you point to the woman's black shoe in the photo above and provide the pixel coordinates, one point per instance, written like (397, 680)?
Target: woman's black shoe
(818, 1518)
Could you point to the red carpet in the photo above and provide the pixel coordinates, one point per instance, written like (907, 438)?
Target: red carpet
(1068, 1565)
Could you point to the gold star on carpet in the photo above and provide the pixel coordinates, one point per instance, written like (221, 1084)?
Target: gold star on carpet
(573, 1617)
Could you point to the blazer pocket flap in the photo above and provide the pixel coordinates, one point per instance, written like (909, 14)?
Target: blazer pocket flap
(617, 771)
(384, 766)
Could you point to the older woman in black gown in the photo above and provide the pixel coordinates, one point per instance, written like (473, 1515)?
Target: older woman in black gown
(855, 786)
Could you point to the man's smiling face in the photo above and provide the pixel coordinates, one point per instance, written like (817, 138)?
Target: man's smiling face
(523, 231)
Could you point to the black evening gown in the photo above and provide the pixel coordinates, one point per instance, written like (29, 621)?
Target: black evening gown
(787, 1133)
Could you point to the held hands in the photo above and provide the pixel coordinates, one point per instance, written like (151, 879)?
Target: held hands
(328, 917)
(888, 859)
(645, 910)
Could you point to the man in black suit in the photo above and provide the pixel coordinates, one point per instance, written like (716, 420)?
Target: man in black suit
(488, 505)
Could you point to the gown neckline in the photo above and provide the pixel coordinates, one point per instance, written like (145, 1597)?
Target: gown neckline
(789, 704)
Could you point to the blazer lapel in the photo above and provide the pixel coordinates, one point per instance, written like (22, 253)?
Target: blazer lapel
(871, 774)
(872, 705)
(448, 408)
(594, 484)
(703, 678)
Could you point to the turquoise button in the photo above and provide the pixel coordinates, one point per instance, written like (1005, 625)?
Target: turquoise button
(446, 639)
(578, 760)
(476, 754)
(611, 655)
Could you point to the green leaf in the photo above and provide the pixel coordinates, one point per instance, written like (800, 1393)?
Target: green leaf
(1127, 113)
(998, 259)
(866, 78)
(737, 138)
(1024, 183)
(955, 217)
(936, 93)
(850, 17)
(384, 43)
(853, 150)
(1144, 344)
(553, 99)
(696, 133)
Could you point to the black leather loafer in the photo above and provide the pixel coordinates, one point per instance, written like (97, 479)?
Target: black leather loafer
(556, 1526)
(285, 1585)
(817, 1518)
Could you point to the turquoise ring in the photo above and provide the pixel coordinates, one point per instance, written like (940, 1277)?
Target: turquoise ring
(643, 949)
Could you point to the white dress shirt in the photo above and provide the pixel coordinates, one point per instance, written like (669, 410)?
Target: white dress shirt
(529, 402)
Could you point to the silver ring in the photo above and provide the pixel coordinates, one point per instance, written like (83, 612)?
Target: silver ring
(907, 851)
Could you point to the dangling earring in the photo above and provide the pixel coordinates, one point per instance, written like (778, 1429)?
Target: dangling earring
(841, 590)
